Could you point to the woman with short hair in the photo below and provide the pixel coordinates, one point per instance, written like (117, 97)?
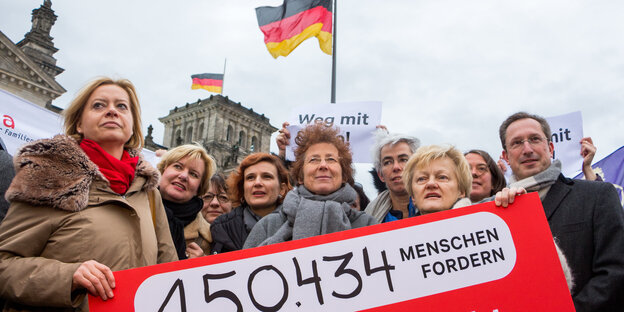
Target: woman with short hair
(186, 172)
(437, 178)
(216, 199)
(321, 202)
(83, 204)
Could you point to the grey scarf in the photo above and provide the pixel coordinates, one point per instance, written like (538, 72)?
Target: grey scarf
(310, 214)
(539, 181)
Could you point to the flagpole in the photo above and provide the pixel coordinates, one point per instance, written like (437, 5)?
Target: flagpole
(333, 80)
(223, 83)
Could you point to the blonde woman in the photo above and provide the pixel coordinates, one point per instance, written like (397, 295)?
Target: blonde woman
(81, 207)
(186, 172)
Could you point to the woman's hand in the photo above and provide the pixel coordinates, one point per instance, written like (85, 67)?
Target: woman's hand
(283, 139)
(193, 251)
(507, 196)
(97, 278)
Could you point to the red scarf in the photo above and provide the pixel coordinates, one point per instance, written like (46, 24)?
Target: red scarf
(120, 173)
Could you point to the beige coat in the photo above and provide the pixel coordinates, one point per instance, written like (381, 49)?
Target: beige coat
(63, 212)
(198, 231)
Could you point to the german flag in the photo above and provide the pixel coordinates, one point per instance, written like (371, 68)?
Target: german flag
(286, 26)
(210, 82)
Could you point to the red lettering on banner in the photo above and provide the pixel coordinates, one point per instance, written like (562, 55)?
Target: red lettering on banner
(8, 121)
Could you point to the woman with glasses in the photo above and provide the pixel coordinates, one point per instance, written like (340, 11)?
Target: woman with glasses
(321, 202)
(258, 187)
(216, 200)
(487, 178)
(185, 172)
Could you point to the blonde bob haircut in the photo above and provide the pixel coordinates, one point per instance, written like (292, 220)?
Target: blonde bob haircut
(73, 113)
(192, 151)
(426, 154)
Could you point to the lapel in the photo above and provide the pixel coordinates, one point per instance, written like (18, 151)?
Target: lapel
(555, 196)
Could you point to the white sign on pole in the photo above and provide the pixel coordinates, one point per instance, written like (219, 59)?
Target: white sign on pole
(567, 132)
(22, 122)
(356, 122)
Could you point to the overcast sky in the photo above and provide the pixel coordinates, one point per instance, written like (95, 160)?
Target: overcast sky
(447, 71)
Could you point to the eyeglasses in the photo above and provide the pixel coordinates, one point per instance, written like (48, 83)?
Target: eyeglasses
(533, 140)
(315, 160)
(481, 170)
(222, 198)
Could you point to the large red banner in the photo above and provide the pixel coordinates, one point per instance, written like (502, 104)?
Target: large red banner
(478, 258)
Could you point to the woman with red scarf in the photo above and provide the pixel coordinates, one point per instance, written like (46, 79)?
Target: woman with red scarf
(83, 204)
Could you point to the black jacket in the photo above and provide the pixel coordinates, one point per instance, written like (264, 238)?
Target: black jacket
(229, 231)
(586, 219)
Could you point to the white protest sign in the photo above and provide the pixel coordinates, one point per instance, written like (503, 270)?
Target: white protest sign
(356, 122)
(23, 122)
(567, 132)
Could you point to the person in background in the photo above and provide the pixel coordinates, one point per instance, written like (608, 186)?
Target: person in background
(585, 217)
(83, 204)
(362, 200)
(186, 172)
(321, 202)
(216, 200)
(7, 172)
(390, 154)
(487, 178)
(258, 186)
(588, 151)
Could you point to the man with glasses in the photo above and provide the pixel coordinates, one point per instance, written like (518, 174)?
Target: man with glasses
(585, 217)
(390, 154)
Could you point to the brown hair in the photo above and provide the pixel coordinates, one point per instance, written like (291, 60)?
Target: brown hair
(498, 178)
(236, 179)
(218, 181)
(73, 113)
(320, 133)
(502, 131)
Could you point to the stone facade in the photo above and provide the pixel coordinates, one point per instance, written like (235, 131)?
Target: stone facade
(28, 68)
(228, 130)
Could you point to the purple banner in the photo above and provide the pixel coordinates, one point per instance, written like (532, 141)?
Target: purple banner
(611, 169)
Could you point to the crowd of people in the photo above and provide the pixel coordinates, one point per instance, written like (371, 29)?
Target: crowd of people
(84, 204)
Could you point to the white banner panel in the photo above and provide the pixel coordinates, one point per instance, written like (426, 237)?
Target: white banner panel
(23, 122)
(567, 132)
(356, 122)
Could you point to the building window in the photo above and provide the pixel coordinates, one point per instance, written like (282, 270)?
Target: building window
(254, 144)
(177, 138)
(241, 139)
(228, 134)
(189, 135)
(200, 133)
